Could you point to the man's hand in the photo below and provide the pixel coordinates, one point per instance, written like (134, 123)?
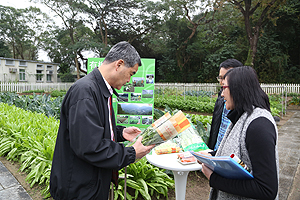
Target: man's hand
(206, 171)
(131, 132)
(140, 149)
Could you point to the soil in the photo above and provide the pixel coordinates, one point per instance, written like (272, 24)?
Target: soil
(197, 184)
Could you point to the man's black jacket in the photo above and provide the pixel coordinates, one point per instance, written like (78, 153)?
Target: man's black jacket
(84, 154)
(216, 121)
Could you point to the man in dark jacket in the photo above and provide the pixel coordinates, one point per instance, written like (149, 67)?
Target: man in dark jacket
(220, 121)
(87, 149)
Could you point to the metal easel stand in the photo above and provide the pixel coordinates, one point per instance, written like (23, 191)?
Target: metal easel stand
(111, 197)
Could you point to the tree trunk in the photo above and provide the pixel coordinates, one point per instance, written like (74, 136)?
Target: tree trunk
(253, 33)
(77, 67)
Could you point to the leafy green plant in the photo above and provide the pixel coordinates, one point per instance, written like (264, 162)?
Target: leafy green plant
(58, 93)
(184, 105)
(34, 91)
(204, 133)
(36, 103)
(29, 138)
(295, 101)
(145, 180)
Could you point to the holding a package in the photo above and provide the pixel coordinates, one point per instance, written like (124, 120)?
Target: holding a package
(164, 129)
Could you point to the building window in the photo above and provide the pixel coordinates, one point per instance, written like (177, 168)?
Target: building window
(9, 62)
(40, 67)
(23, 63)
(39, 75)
(22, 74)
(49, 78)
(49, 67)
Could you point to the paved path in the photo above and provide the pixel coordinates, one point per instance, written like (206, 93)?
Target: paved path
(10, 188)
(289, 155)
(289, 175)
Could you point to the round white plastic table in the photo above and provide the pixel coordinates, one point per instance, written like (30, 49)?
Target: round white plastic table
(180, 171)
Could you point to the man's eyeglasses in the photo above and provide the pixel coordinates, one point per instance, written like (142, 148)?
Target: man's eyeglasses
(219, 78)
(224, 86)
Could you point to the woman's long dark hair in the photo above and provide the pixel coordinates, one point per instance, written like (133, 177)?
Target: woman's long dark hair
(245, 90)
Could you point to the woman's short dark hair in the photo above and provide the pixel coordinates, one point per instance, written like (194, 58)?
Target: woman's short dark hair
(245, 90)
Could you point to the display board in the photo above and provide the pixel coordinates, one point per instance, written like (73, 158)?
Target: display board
(135, 107)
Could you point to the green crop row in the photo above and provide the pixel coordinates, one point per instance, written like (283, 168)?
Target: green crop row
(205, 104)
(185, 105)
(29, 138)
(36, 103)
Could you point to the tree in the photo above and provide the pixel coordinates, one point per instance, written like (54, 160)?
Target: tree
(221, 39)
(4, 50)
(278, 52)
(21, 29)
(115, 21)
(256, 13)
(70, 14)
(193, 13)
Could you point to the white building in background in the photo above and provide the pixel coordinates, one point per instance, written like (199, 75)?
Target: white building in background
(28, 71)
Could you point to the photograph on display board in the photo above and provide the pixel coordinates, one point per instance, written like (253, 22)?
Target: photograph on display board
(122, 119)
(149, 78)
(136, 96)
(147, 120)
(128, 87)
(147, 94)
(138, 81)
(134, 109)
(134, 120)
(123, 97)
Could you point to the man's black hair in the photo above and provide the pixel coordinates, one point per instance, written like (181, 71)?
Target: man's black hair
(230, 63)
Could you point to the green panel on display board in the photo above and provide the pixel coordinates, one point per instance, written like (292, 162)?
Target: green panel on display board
(135, 107)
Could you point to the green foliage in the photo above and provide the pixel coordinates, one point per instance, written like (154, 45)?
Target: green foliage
(34, 103)
(276, 104)
(204, 119)
(145, 179)
(4, 50)
(295, 101)
(22, 29)
(202, 104)
(199, 93)
(58, 93)
(204, 133)
(29, 138)
(34, 91)
(67, 77)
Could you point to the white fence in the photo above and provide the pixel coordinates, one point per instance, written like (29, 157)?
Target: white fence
(21, 87)
(182, 87)
(213, 87)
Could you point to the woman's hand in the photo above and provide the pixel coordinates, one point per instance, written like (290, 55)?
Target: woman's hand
(206, 171)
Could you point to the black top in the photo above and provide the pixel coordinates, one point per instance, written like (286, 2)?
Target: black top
(260, 143)
(84, 154)
(216, 121)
